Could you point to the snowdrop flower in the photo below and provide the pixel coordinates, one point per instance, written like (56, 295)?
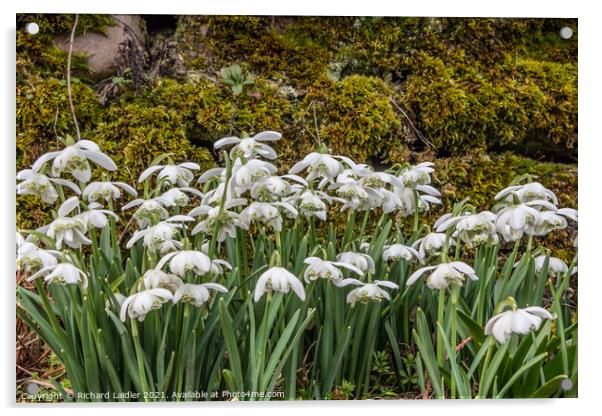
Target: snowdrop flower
(74, 160)
(153, 279)
(431, 243)
(150, 211)
(360, 260)
(180, 175)
(411, 200)
(197, 295)
(311, 203)
(95, 216)
(42, 186)
(244, 176)
(357, 197)
(186, 261)
(368, 291)
(31, 258)
(549, 221)
(533, 191)
(324, 269)
(160, 237)
(250, 147)
(107, 191)
(266, 213)
(569, 213)
(63, 274)
(227, 220)
(517, 321)
(274, 187)
(69, 230)
(280, 280)
(139, 304)
(321, 165)
(515, 220)
(417, 175)
(176, 197)
(378, 180)
(472, 229)
(396, 252)
(444, 274)
(555, 265)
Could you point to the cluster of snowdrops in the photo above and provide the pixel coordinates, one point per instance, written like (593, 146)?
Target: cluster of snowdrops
(236, 278)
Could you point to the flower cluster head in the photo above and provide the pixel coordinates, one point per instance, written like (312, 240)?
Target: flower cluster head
(366, 292)
(107, 191)
(31, 258)
(180, 175)
(138, 305)
(250, 147)
(63, 274)
(516, 321)
(444, 274)
(329, 270)
(432, 243)
(278, 279)
(396, 252)
(37, 184)
(471, 229)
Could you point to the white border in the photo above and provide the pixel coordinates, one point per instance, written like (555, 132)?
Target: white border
(589, 189)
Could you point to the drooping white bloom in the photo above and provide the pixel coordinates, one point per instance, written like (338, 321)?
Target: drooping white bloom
(176, 197)
(107, 191)
(42, 186)
(324, 269)
(70, 230)
(251, 147)
(280, 280)
(63, 274)
(556, 266)
(517, 321)
(150, 211)
(431, 243)
(75, 159)
(321, 165)
(160, 237)
(227, 220)
(472, 229)
(139, 304)
(186, 261)
(419, 174)
(244, 176)
(95, 216)
(444, 274)
(368, 291)
(273, 187)
(360, 260)
(197, 295)
(396, 252)
(515, 220)
(31, 258)
(311, 203)
(180, 175)
(528, 192)
(569, 213)
(411, 199)
(549, 221)
(154, 278)
(266, 213)
(357, 197)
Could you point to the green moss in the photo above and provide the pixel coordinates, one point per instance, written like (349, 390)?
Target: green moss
(522, 105)
(133, 134)
(43, 113)
(355, 117)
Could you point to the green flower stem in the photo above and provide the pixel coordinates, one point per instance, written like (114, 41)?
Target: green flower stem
(440, 314)
(454, 317)
(139, 357)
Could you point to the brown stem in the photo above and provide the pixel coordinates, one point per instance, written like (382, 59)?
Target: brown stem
(69, 92)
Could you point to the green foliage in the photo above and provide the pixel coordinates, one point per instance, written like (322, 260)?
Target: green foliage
(521, 104)
(133, 134)
(355, 116)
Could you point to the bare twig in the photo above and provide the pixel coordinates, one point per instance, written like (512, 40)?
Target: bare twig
(418, 133)
(316, 123)
(69, 92)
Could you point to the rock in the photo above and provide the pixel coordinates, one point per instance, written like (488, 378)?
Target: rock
(103, 50)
